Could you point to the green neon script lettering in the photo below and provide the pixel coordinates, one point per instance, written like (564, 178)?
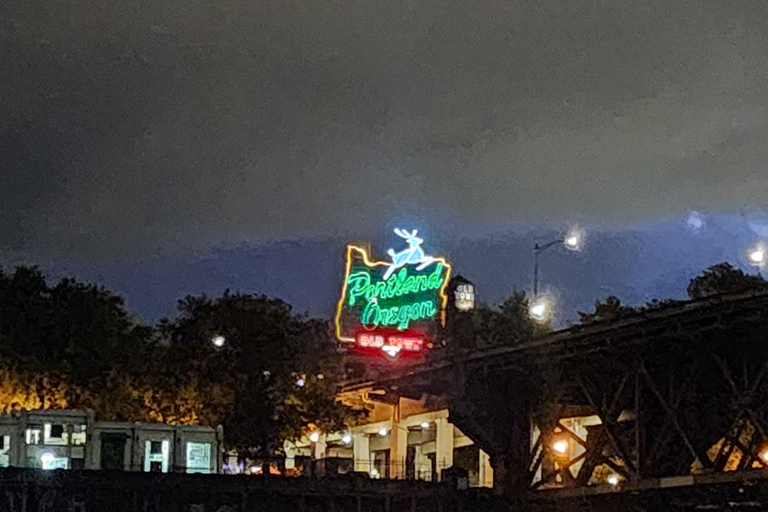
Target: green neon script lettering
(386, 303)
(357, 284)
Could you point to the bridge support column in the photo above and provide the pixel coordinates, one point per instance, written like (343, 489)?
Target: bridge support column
(398, 447)
(361, 451)
(510, 466)
(318, 456)
(444, 446)
(486, 471)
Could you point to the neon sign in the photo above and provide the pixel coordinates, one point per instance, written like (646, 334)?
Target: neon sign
(392, 306)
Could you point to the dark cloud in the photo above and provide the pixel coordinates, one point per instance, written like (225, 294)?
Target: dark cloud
(135, 126)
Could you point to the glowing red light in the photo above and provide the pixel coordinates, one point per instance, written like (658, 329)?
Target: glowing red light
(410, 344)
(370, 340)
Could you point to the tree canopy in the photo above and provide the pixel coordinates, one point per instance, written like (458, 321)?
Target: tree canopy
(74, 345)
(508, 323)
(724, 278)
(279, 370)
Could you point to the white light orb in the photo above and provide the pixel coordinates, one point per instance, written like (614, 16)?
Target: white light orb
(540, 310)
(560, 446)
(757, 255)
(425, 424)
(574, 240)
(218, 340)
(613, 479)
(695, 221)
(314, 436)
(346, 438)
(383, 432)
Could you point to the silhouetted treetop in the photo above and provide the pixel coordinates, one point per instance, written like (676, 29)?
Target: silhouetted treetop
(724, 278)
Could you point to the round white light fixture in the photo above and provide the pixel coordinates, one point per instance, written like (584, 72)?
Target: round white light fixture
(346, 438)
(764, 455)
(314, 436)
(757, 255)
(218, 340)
(300, 382)
(695, 221)
(540, 309)
(383, 432)
(425, 424)
(574, 240)
(613, 479)
(560, 446)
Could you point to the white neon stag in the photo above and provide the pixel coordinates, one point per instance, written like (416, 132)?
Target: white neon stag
(413, 255)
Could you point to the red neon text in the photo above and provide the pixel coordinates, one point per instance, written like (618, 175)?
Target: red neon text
(411, 344)
(370, 340)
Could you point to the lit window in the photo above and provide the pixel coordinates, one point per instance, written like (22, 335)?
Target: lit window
(78, 435)
(156, 455)
(49, 460)
(5, 460)
(54, 434)
(33, 434)
(198, 457)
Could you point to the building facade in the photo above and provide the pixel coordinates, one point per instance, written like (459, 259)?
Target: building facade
(62, 439)
(412, 439)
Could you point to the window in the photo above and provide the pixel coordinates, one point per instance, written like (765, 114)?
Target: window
(33, 434)
(54, 434)
(78, 435)
(156, 455)
(198, 457)
(5, 455)
(50, 460)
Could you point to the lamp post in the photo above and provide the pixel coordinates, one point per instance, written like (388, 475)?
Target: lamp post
(572, 241)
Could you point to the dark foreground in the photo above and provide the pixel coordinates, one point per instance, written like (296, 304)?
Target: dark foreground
(27, 490)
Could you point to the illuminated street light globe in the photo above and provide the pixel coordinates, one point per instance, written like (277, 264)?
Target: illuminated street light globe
(314, 436)
(560, 446)
(540, 309)
(218, 340)
(764, 454)
(574, 240)
(757, 255)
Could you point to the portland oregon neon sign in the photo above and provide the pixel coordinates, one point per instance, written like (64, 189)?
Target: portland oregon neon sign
(394, 306)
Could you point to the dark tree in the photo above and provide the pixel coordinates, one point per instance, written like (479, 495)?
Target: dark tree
(71, 335)
(507, 324)
(608, 309)
(279, 370)
(723, 278)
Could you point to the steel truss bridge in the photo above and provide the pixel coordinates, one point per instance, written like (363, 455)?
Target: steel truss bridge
(677, 391)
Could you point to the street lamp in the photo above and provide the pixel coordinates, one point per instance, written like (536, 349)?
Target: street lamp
(573, 241)
(757, 255)
(560, 447)
(218, 340)
(540, 309)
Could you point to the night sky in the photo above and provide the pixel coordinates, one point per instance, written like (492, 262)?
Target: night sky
(165, 147)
